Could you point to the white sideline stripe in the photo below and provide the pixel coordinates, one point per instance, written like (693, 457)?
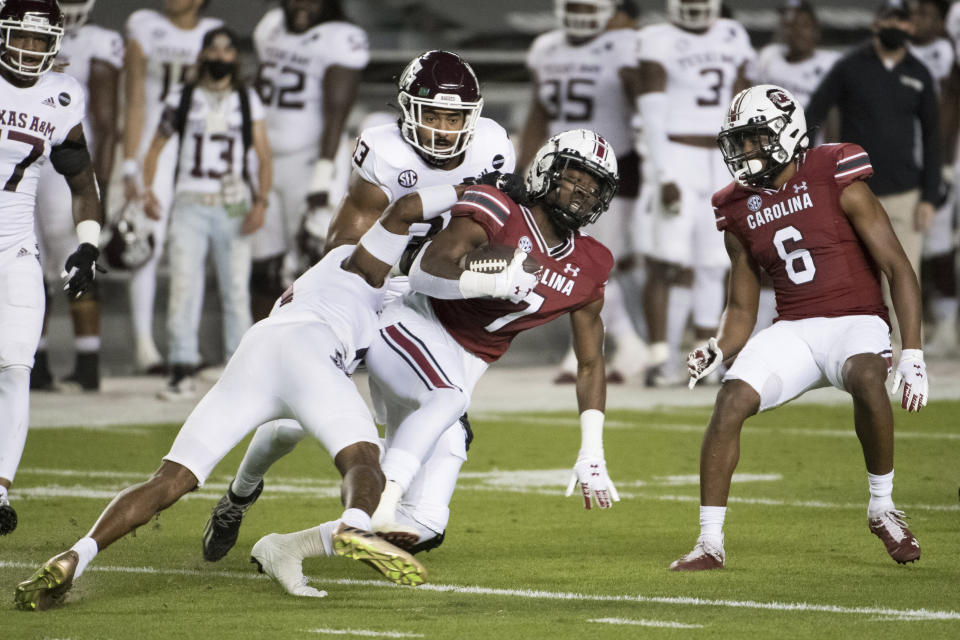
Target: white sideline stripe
(535, 594)
(668, 624)
(368, 633)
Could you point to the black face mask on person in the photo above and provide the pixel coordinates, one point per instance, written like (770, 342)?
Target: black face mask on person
(218, 69)
(892, 38)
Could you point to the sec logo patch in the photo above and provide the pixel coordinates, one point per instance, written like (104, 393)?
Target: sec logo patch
(64, 98)
(497, 161)
(754, 203)
(407, 178)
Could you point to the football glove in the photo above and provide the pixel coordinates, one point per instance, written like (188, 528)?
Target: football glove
(590, 471)
(912, 373)
(703, 361)
(513, 283)
(512, 184)
(80, 269)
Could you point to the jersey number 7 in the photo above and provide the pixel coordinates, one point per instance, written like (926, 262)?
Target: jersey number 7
(36, 150)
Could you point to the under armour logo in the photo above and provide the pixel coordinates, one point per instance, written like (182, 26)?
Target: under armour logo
(797, 188)
(572, 270)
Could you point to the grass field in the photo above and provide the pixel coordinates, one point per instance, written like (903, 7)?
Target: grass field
(520, 560)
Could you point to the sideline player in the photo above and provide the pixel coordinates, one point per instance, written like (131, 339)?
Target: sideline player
(584, 75)
(689, 70)
(294, 363)
(44, 112)
(162, 49)
(807, 218)
(93, 56)
(311, 59)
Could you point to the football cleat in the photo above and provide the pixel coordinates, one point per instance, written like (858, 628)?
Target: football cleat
(49, 585)
(704, 557)
(8, 517)
(275, 556)
(891, 528)
(86, 373)
(223, 527)
(411, 543)
(396, 564)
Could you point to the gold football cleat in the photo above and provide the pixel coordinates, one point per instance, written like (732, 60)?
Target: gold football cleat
(49, 585)
(395, 563)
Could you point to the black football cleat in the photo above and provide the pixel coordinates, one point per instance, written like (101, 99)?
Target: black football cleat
(8, 517)
(223, 527)
(86, 373)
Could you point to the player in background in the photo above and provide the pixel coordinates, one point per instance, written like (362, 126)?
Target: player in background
(584, 75)
(295, 362)
(93, 56)
(439, 139)
(161, 51)
(435, 343)
(690, 67)
(938, 266)
(809, 220)
(43, 123)
(311, 59)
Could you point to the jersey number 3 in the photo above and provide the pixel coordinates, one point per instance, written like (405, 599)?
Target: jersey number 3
(36, 150)
(807, 269)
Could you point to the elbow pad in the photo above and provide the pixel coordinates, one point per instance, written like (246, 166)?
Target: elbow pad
(70, 158)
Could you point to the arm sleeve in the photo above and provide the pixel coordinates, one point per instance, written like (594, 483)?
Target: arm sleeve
(930, 134)
(853, 164)
(486, 206)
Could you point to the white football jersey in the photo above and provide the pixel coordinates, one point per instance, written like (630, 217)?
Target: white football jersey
(340, 299)
(170, 52)
(937, 57)
(701, 69)
(799, 78)
(579, 86)
(212, 142)
(290, 77)
(82, 46)
(33, 120)
(953, 26)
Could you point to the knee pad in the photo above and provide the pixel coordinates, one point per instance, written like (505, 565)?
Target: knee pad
(266, 276)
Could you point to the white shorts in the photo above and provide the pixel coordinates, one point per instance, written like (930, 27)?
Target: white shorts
(22, 303)
(56, 232)
(280, 370)
(689, 238)
(793, 356)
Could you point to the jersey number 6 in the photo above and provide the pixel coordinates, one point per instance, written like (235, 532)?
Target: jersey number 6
(808, 269)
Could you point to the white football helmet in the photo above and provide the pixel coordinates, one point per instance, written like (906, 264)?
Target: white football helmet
(39, 17)
(579, 149)
(763, 131)
(585, 24)
(693, 14)
(75, 13)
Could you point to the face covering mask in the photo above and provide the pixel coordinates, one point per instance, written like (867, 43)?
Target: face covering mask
(892, 38)
(219, 69)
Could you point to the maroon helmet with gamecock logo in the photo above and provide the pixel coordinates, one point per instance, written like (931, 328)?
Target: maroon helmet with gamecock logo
(37, 17)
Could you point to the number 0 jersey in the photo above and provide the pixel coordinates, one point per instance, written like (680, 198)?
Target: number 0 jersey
(579, 86)
(33, 120)
(802, 238)
(573, 275)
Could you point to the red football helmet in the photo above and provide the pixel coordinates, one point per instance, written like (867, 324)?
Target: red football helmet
(438, 80)
(37, 17)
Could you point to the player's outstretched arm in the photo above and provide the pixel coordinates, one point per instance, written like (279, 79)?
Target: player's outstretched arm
(361, 207)
(72, 159)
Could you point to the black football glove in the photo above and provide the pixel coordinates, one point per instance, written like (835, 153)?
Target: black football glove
(512, 184)
(80, 269)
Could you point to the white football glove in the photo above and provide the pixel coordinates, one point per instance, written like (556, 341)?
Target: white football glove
(703, 361)
(590, 471)
(513, 283)
(912, 372)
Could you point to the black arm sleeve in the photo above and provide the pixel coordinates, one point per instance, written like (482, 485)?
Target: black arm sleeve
(70, 157)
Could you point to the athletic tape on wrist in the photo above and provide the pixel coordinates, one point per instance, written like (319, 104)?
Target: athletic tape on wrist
(384, 246)
(591, 431)
(436, 200)
(912, 354)
(89, 231)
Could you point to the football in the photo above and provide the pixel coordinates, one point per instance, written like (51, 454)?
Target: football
(494, 259)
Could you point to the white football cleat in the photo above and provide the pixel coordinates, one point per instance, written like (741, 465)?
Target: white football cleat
(277, 558)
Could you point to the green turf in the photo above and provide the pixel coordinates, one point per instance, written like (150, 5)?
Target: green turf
(799, 537)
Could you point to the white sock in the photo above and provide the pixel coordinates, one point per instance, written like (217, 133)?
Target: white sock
(87, 344)
(311, 542)
(881, 492)
(400, 466)
(711, 524)
(86, 549)
(356, 518)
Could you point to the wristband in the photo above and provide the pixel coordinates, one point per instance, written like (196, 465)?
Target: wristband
(911, 354)
(323, 172)
(436, 200)
(88, 231)
(591, 432)
(477, 285)
(130, 168)
(384, 246)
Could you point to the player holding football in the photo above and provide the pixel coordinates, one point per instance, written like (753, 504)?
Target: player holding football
(808, 219)
(42, 122)
(294, 363)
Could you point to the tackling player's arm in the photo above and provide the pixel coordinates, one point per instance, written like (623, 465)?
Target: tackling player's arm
(134, 77)
(534, 129)
(443, 256)
(358, 211)
(104, 112)
(261, 147)
(873, 227)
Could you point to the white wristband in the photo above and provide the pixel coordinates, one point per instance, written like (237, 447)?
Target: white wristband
(437, 200)
(912, 354)
(130, 168)
(88, 231)
(591, 432)
(323, 172)
(384, 246)
(477, 285)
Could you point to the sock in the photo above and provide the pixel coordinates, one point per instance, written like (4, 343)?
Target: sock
(86, 549)
(711, 524)
(316, 541)
(356, 518)
(881, 490)
(400, 466)
(87, 344)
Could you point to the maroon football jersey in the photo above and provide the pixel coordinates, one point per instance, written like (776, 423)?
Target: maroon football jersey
(574, 274)
(801, 237)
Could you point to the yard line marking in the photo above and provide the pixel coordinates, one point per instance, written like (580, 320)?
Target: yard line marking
(535, 594)
(648, 623)
(368, 633)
